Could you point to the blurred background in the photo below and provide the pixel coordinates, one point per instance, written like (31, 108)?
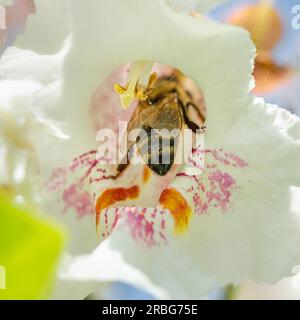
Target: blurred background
(274, 26)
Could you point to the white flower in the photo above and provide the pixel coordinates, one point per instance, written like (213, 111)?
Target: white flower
(241, 222)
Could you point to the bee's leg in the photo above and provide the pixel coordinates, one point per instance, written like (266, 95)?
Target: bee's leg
(193, 126)
(120, 169)
(200, 115)
(190, 124)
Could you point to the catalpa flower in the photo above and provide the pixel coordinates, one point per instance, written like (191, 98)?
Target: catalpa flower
(225, 214)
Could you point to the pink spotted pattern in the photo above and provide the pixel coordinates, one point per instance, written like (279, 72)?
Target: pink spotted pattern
(72, 185)
(216, 186)
(79, 200)
(147, 226)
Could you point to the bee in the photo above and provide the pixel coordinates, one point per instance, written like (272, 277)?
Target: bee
(169, 105)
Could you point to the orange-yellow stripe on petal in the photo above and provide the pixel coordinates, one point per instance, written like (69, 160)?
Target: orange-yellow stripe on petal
(172, 200)
(146, 174)
(111, 196)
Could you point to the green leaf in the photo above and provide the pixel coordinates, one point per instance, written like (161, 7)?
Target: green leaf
(29, 251)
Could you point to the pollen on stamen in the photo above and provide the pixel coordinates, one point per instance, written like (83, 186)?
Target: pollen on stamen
(140, 80)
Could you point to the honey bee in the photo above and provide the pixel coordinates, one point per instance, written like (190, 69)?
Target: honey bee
(169, 105)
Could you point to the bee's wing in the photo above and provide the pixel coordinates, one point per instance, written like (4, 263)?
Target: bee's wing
(163, 115)
(134, 123)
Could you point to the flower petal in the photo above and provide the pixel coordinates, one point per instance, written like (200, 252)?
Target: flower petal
(242, 120)
(47, 29)
(255, 234)
(158, 271)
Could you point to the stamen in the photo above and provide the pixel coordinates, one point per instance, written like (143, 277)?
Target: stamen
(140, 81)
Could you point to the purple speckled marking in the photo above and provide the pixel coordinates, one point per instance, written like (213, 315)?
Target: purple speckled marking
(215, 187)
(217, 193)
(71, 184)
(147, 226)
(57, 180)
(79, 200)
